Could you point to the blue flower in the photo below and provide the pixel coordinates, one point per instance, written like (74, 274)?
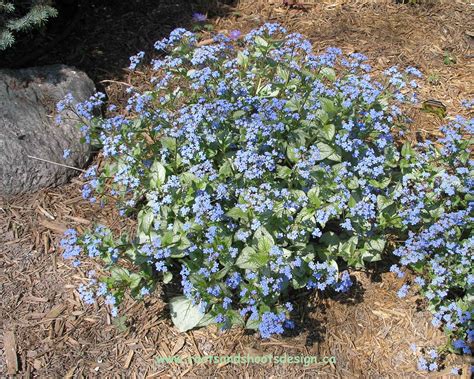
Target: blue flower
(199, 17)
(135, 60)
(403, 291)
(271, 323)
(347, 224)
(344, 284)
(234, 34)
(395, 269)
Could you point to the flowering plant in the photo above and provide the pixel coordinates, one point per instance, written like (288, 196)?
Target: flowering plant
(441, 251)
(256, 167)
(441, 256)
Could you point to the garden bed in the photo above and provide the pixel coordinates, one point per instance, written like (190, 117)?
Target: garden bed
(369, 330)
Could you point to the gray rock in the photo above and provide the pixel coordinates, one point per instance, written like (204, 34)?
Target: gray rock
(28, 100)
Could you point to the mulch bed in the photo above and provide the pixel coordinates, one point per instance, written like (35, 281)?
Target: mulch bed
(45, 329)
(369, 330)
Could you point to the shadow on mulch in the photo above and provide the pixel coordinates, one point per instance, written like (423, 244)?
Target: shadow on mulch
(313, 328)
(99, 36)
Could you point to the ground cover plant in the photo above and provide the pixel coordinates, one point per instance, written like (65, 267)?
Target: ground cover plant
(256, 168)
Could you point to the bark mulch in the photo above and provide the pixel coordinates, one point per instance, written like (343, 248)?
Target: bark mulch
(45, 329)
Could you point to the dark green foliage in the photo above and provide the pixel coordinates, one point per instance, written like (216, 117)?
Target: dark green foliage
(19, 16)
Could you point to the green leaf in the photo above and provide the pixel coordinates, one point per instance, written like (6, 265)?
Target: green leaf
(348, 248)
(167, 277)
(293, 104)
(238, 114)
(353, 183)
(283, 74)
(242, 59)
(381, 184)
(298, 281)
(184, 243)
(236, 213)
(269, 91)
(264, 244)
(328, 73)
(304, 215)
(328, 131)
(134, 280)
(313, 196)
(187, 178)
(119, 274)
(259, 41)
(169, 238)
(252, 324)
(236, 319)
(145, 220)
(352, 201)
(407, 151)
(168, 143)
(373, 249)
(376, 244)
(392, 156)
(327, 152)
(469, 298)
(437, 212)
(283, 172)
(223, 272)
(292, 154)
(157, 174)
(328, 106)
(371, 256)
(249, 258)
(184, 314)
(226, 169)
(383, 202)
(322, 116)
(137, 124)
(263, 232)
(434, 106)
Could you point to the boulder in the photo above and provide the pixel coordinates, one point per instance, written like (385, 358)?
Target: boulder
(28, 129)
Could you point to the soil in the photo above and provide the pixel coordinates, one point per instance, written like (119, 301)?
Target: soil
(51, 333)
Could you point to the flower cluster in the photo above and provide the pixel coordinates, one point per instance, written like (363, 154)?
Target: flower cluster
(442, 254)
(255, 167)
(440, 249)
